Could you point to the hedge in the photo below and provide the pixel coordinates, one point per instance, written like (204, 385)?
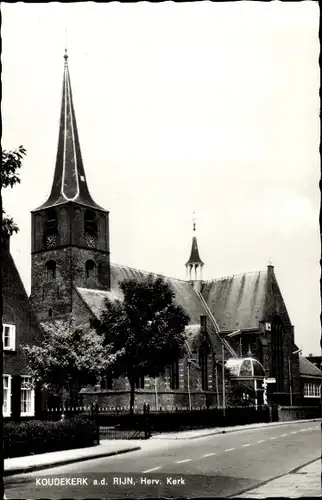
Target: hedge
(36, 436)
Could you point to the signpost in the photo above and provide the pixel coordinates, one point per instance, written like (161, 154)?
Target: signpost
(269, 380)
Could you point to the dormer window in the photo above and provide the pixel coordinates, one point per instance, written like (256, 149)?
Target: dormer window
(50, 271)
(90, 269)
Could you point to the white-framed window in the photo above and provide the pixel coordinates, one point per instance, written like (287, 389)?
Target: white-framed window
(9, 337)
(6, 406)
(312, 390)
(27, 397)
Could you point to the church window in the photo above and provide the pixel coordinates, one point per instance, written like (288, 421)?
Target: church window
(90, 223)
(139, 384)
(90, 268)
(174, 375)
(50, 312)
(203, 362)
(51, 229)
(277, 355)
(52, 223)
(51, 270)
(107, 382)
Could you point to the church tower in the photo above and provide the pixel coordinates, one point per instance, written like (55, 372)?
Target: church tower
(70, 232)
(194, 265)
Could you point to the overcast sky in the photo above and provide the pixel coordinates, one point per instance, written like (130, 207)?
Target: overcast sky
(205, 107)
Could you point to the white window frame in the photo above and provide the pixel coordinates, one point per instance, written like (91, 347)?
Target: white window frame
(12, 337)
(31, 391)
(8, 412)
(312, 390)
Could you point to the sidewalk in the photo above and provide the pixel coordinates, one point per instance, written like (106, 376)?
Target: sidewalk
(303, 482)
(198, 433)
(20, 465)
(107, 448)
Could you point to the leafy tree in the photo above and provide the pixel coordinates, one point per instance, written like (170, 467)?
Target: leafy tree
(147, 326)
(69, 359)
(9, 176)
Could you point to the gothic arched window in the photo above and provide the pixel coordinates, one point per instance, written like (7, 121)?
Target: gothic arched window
(90, 228)
(203, 362)
(90, 269)
(277, 353)
(50, 270)
(51, 229)
(174, 375)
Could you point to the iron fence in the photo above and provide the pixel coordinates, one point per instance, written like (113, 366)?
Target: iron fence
(119, 423)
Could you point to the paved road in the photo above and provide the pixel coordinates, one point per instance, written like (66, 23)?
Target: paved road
(218, 465)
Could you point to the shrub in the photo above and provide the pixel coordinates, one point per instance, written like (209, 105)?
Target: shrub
(35, 436)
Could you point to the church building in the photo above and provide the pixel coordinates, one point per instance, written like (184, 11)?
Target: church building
(239, 331)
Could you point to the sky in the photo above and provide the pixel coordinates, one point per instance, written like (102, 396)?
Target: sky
(201, 107)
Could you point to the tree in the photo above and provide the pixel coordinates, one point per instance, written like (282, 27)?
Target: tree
(147, 326)
(68, 359)
(9, 177)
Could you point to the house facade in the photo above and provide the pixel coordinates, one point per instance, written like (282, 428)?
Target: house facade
(311, 380)
(241, 316)
(20, 327)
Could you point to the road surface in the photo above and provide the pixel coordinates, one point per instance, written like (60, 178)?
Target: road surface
(217, 465)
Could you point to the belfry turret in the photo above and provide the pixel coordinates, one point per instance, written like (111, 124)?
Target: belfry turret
(70, 232)
(194, 264)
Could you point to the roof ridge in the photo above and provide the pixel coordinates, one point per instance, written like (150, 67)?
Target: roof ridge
(148, 272)
(235, 275)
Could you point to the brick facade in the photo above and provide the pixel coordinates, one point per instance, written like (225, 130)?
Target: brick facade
(18, 312)
(54, 297)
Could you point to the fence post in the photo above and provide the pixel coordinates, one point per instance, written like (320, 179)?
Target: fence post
(146, 411)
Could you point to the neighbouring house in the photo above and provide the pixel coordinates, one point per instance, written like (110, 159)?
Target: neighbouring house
(20, 327)
(315, 360)
(240, 316)
(311, 379)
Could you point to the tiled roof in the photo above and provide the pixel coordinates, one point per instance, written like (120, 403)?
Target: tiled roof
(185, 295)
(69, 182)
(309, 369)
(237, 302)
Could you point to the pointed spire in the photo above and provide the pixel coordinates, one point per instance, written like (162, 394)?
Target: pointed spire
(194, 261)
(194, 258)
(69, 182)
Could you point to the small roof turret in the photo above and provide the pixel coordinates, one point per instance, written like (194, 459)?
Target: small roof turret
(194, 258)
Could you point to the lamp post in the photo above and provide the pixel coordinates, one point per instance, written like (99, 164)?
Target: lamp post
(156, 393)
(290, 374)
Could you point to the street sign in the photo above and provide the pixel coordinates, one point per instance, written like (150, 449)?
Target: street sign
(270, 380)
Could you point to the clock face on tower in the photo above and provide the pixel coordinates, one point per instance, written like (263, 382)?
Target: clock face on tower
(90, 240)
(51, 241)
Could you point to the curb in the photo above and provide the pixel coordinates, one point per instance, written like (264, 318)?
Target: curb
(32, 468)
(268, 481)
(219, 431)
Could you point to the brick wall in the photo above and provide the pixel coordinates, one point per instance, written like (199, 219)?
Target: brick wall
(70, 256)
(17, 311)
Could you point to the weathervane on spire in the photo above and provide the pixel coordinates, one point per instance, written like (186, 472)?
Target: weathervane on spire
(194, 221)
(66, 55)
(270, 263)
